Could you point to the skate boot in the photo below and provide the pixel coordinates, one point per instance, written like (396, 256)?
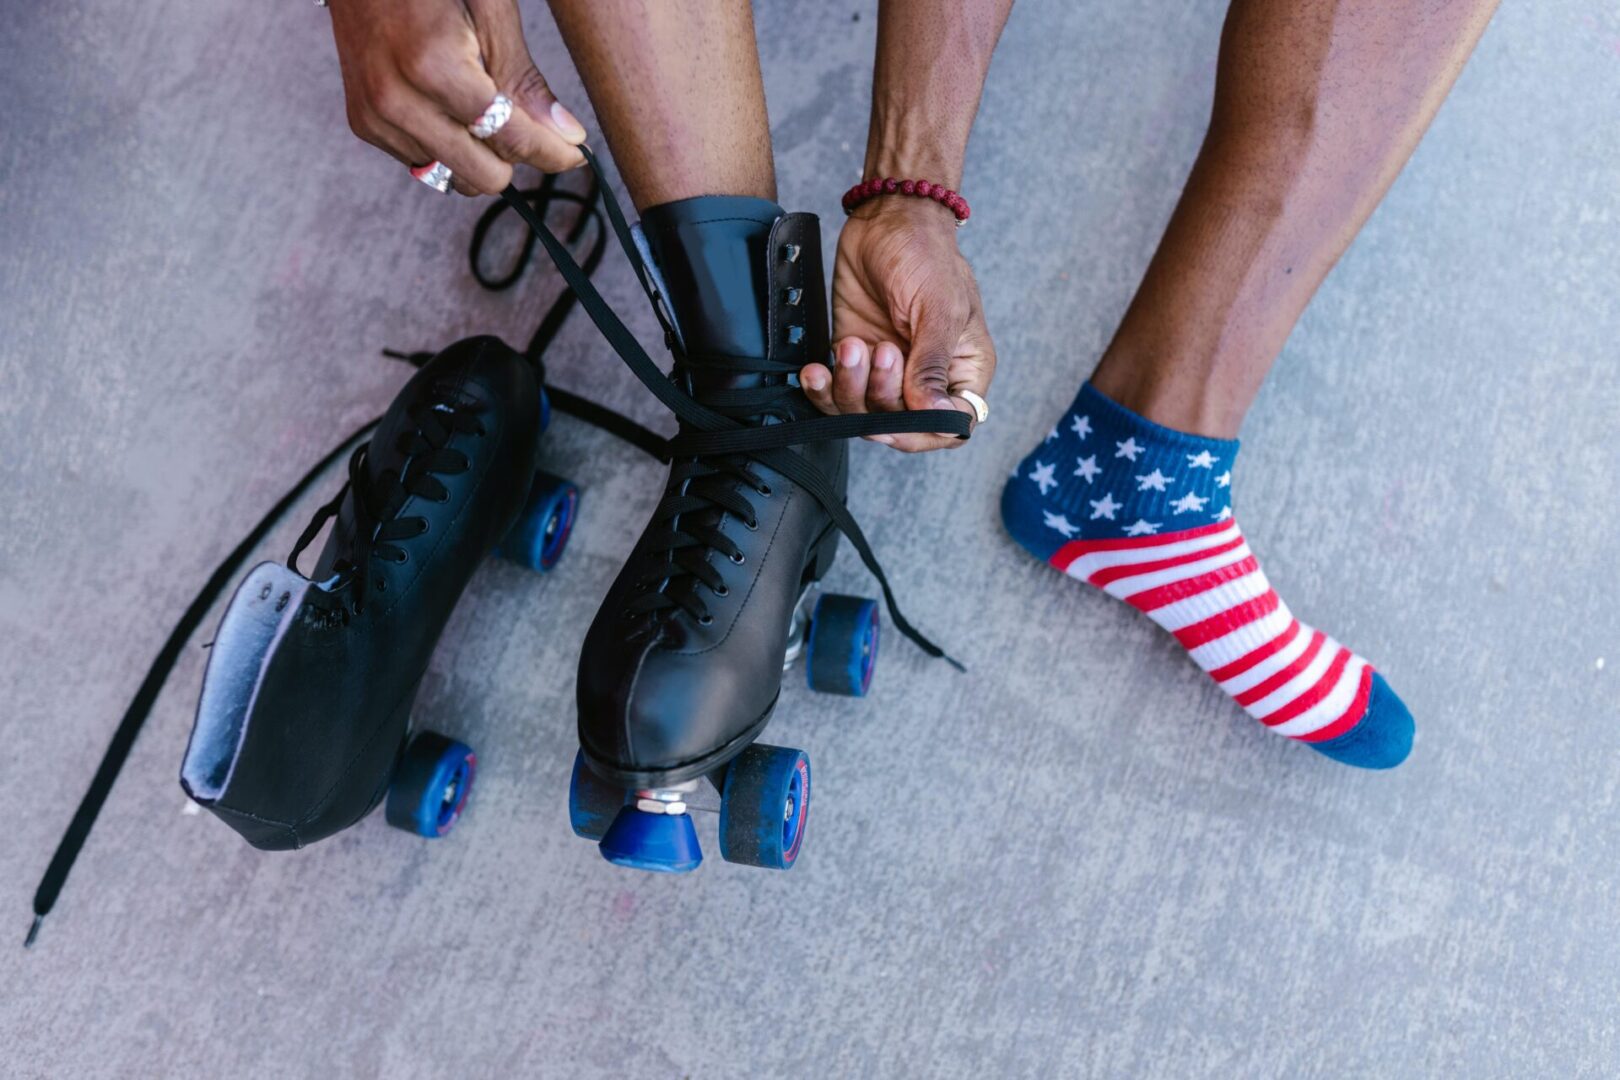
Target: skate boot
(302, 726)
(682, 667)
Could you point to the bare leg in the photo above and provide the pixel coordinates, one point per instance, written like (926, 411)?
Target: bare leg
(677, 88)
(1318, 104)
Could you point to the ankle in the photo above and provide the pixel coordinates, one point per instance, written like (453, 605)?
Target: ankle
(1188, 401)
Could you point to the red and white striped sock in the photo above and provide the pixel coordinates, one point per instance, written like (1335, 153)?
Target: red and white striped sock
(1205, 586)
(1104, 523)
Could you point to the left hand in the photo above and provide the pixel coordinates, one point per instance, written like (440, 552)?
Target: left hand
(908, 324)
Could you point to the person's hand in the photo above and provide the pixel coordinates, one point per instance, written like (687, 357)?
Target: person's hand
(416, 73)
(908, 325)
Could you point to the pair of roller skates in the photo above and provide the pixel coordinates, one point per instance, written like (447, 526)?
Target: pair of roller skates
(303, 725)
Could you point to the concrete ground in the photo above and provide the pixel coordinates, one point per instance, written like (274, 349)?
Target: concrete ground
(1080, 859)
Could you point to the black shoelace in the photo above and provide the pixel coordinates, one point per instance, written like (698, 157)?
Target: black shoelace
(715, 444)
(536, 201)
(378, 528)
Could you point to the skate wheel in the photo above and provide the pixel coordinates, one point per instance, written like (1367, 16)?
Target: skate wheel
(541, 532)
(592, 801)
(545, 410)
(842, 651)
(765, 806)
(431, 785)
(662, 843)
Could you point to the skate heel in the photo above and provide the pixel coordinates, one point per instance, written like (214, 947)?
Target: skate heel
(822, 556)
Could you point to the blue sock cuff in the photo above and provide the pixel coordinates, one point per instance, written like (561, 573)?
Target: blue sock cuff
(1105, 471)
(1104, 410)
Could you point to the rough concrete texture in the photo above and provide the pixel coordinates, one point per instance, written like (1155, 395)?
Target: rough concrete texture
(1080, 859)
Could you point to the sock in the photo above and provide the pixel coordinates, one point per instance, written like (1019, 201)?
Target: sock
(1144, 513)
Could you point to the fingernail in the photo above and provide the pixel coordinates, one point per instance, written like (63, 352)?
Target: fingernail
(849, 354)
(886, 440)
(567, 123)
(886, 356)
(815, 381)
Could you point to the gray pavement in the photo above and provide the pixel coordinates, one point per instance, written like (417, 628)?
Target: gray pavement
(1080, 860)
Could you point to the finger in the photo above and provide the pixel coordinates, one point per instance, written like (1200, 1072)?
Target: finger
(542, 132)
(883, 385)
(398, 144)
(853, 362)
(816, 381)
(467, 91)
(524, 139)
(449, 142)
(928, 367)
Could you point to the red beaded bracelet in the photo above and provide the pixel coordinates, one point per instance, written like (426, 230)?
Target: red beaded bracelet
(888, 185)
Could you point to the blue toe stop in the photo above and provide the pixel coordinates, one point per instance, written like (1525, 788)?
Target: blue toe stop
(662, 843)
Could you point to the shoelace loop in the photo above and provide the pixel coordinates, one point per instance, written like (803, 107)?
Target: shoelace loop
(378, 526)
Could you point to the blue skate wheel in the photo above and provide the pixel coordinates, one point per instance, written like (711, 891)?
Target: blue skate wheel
(765, 807)
(545, 410)
(431, 785)
(592, 801)
(542, 529)
(661, 843)
(842, 651)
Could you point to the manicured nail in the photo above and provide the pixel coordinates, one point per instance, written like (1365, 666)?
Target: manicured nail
(567, 123)
(886, 356)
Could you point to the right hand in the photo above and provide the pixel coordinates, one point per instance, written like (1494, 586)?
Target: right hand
(416, 73)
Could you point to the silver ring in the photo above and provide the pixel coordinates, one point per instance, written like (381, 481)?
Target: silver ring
(435, 174)
(981, 407)
(496, 114)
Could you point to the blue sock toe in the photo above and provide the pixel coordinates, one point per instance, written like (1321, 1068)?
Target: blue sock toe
(1383, 737)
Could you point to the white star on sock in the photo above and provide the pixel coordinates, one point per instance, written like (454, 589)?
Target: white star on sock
(1202, 460)
(1225, 479)
(1104, 507)
(1061, 523)
(1043, 476)
(1088, 467)
(1141, 528)
(1050, 435)
(1224, 513)
(1155, 480)
(1128, 448)
(1081, 426)
(1190, 501)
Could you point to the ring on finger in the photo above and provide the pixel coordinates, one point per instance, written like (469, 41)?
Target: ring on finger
(435, 174)
(496, 114)
(981, 407)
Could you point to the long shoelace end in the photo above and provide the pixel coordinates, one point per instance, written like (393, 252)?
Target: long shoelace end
(33, 931)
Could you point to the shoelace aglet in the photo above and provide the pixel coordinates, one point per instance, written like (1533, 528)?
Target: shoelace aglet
(33, 931)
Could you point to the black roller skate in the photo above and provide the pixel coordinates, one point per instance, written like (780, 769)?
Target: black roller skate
(683, 665)
(302, 727)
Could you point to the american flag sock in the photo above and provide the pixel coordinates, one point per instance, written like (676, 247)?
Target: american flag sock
(1144, 513)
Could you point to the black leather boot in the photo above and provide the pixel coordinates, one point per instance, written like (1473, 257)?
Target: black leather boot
(683, 664)
(302, 725)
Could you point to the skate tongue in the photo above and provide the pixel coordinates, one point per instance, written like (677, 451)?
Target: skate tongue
(710, 253)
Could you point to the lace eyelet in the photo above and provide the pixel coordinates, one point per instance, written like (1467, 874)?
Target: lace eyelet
(723, 590)
(705, 620)
(380, 584)
(764, 490)
(738, 558)
(752, 526)
(404, 557)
